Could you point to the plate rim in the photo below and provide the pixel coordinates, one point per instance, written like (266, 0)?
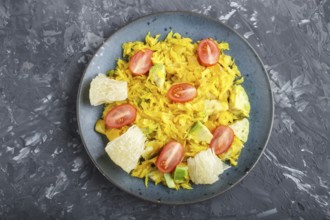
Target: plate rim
(79, 94)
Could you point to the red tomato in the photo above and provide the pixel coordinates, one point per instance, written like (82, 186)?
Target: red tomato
(141, 62)
(120, 116)
(223, 137)
(208, 53)
(170, 156)
(182, 92)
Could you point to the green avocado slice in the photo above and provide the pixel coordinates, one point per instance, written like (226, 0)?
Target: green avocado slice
(239, 101)
(181, 174)
(158, 74)
(200, 132)
(169, 181)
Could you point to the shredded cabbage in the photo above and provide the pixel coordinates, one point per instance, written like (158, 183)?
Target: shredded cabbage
(162, 120)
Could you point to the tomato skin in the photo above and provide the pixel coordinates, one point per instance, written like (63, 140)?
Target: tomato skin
(208, 53)
(182, 92)
(223, 137)
(120, 116)
(140, 63)
(170, 156)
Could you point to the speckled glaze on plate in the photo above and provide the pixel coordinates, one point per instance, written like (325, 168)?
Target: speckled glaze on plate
(196, 27)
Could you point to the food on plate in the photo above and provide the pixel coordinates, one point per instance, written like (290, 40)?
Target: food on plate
(241, 129)
(120, 116)
(170, 156)
(239, 101)
(233, 152)
(175, 110)
(181, 174)
(200, 132)
(223, 137)
(208, 52)
(205, 167)
(141, 62)
(182, 92)
(214, 106)
(105, 90)
(158, 74)
(126, 150)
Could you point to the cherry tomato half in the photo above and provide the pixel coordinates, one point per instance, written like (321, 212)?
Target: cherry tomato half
(120, 116)
(141, 62)
(170, 156)
(208, 52)
(223, 137)
(182, 92)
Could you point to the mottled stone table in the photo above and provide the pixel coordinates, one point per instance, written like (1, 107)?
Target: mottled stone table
(45, 172)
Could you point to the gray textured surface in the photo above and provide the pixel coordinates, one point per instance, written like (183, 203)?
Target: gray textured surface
(44, 169)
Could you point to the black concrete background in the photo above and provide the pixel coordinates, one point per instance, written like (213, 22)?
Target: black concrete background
(45, 172)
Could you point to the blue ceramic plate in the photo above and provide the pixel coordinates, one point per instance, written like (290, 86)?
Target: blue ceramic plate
(197, 27)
